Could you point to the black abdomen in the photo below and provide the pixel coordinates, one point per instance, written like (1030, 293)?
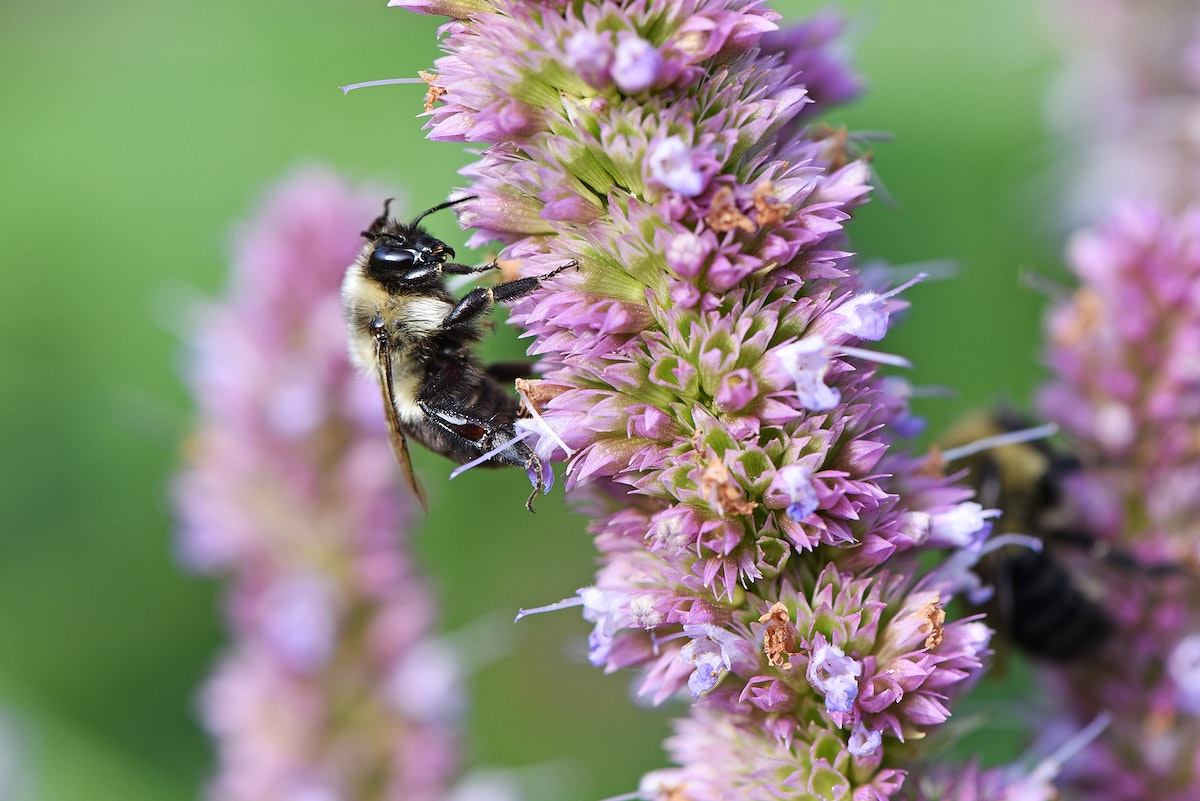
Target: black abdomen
(1051, 617)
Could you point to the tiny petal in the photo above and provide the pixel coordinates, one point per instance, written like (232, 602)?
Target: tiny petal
(644, 612)
(866, 316)
(636, 65)
(737, 390)
(863, 741)
(840, 692)
(959, 526)
(687, 252)
(792, 489)
(807, 361)
(602, 607)
(299, 620)
(670, 163)
(707, 672)
(768, 694)
(834, 675)
(591, 55)
(1183, 665)
(709, 655)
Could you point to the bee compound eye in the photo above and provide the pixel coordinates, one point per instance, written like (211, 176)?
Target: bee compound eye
(387, 257)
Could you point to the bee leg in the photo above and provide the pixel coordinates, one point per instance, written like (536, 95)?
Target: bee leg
(480, 300)
(534, 467)
(1120, 559)
(454, 268)
(474, 440)
(425, 272)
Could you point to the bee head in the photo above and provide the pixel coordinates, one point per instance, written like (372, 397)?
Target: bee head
(401, 249)
(405, 253)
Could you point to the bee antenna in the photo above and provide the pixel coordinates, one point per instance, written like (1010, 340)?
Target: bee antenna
(441, 206)
(377, 225)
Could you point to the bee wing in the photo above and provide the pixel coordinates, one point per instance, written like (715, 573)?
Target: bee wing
(383, 364)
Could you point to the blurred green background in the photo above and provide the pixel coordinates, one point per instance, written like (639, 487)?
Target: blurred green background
(135, 133)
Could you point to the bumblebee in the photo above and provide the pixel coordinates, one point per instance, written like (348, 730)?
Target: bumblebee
(1038, 604)
(406, 328)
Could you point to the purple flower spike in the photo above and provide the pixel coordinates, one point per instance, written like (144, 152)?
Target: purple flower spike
(701, 375)
(1126, 60)
(1127, 392)
(290, 494)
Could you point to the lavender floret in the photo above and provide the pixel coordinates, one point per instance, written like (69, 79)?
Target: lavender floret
(706, 383)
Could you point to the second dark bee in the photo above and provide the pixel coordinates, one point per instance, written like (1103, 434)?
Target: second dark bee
(407, 329)
(1038, 604)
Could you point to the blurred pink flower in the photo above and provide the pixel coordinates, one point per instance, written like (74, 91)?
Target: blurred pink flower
(289, 493)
